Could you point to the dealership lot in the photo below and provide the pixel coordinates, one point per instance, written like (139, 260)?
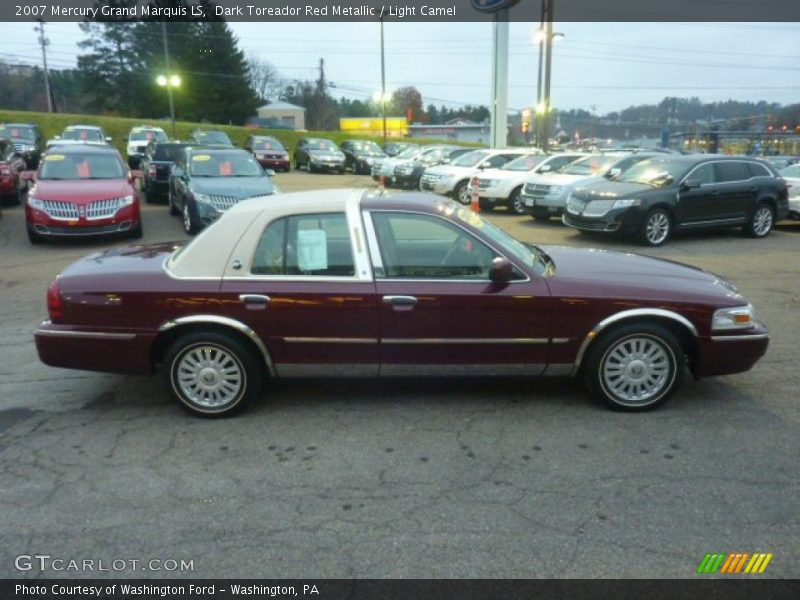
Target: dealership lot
(431, 478)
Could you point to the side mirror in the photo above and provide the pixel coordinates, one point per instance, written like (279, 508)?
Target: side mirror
(27, 175)
(109, 140)
(501, 270)
(690, 184)
(544, 169)
(614, 173)
(269, 172)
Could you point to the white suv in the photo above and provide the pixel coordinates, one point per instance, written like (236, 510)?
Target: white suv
(503, 186)
(138, 139)
(452, 179)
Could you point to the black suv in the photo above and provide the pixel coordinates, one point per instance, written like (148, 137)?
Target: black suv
(360, 154)
(27, 140)
(664, 194)
(407, 174)
(318, 154)
(156, 165)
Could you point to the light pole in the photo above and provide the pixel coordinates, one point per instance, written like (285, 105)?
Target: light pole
(382, 97)
(169, 82)
(383, 86)
(545, 36)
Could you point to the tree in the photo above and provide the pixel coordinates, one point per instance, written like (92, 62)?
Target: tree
(264, 78)
(407, 101)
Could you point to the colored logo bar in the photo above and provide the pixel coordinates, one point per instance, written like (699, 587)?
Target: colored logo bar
(736, 562)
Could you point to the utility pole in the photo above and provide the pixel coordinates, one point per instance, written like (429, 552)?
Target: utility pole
(499, 122)
(548, 40)
(538, 104)
(169, 87)
(43, 41)
(383, 86)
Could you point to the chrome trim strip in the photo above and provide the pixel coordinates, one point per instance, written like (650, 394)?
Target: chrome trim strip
(560, 340)
(739, 338)
(462, 370)
(90, 335)
(227, 322)
(628, 314)
(329, 340)
(465, 341)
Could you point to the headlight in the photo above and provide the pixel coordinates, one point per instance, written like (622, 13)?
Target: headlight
(369, 160)
(405, 170)
(738, 317)
(126, 201)
(205, 198)
(35, 203)
(627, 203)
(556, 189)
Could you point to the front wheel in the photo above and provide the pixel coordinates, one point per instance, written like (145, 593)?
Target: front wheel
(173, 210)
(515, 202)
(212, 374)
(761, 222)
(190, 225)
(634, 367)
(137, 232)
(461, 193)
(657, 228)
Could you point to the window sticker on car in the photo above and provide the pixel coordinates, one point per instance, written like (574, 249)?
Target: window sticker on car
(312, 250)
(84, 134)
(201, 157)
(55, 157)
(148, 135)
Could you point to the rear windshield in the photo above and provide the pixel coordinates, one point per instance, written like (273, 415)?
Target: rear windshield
(88, 135)
(168, 152)
(148, 135)
(81, 166)
(212, 137)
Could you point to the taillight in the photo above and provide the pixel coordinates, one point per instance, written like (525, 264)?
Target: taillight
(54, 304)
(4, 169)
(153, 170)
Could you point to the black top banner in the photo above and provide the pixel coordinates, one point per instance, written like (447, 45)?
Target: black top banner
(398, 11)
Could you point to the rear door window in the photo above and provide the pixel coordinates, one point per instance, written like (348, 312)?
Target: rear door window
(731, 171)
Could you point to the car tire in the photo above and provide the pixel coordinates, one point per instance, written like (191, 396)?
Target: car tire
(34, 237)
(634, 367)
(340, 170)
(137, 232)
(461, 193)
(656, 228)
(761, 221)
(173, 210)
(515, 204)
(212, 374)
(486, 205)
(540, 215)
(149, 196)
(190, 224)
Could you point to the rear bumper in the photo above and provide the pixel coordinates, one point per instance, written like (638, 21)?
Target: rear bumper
(108, 351)
(729, 353)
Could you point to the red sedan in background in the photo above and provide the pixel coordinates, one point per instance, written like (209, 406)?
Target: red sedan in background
(269, 152)
(11, 165)
(82, 191)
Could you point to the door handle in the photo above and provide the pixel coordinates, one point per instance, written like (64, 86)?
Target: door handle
(400, 300)
(254, 299)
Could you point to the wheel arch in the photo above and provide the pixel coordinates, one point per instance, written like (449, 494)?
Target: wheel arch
(170, 331)
(677, 324)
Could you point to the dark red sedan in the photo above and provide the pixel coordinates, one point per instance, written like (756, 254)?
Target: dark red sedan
(82, 190)
(269, 152)
(347, 282)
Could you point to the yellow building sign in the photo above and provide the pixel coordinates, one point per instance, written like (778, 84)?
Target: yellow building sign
(395, 126)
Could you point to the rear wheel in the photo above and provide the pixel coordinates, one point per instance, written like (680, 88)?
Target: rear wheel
(212, 374)
(656, 228)
(761, 222)
(635, 367)
(540, 215)
(515, 203)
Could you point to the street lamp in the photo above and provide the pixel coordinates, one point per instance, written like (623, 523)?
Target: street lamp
(544, 36)
(169, 82)
(382, 98)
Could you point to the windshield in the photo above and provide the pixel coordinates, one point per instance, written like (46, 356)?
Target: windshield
(168, 152)
(527, 255)
(524, 163)
(18, 133)
(657, 172)
(212, 137)
(793, 171)
(321, 145)
(82, 166)
(148, 134)
(591, 165)
(409, 152)
(368, 148)
(270, 144)
(88, 135)
(224, 164)
(471, 158)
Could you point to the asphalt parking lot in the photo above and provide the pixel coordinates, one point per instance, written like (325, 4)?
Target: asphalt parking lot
(423, 478)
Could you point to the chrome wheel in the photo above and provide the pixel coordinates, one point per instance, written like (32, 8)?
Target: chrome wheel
(209, 376)
(517, 205)
(464, 195)
(637, 370)
(762, 221)
(657, 228)
(187, 218)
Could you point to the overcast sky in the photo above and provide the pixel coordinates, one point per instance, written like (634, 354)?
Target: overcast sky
(608, 66)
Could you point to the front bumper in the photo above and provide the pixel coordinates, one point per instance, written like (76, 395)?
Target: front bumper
(408, 181)
(625, 221)
(328, 165)
(281, 164)
(125, 220)
(91, 349)
(729, 352)
(437, 186)
(552, 203)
